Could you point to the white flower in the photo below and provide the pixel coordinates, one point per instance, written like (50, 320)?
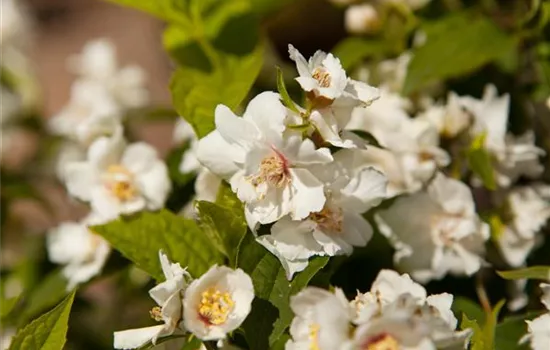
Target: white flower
(351, 189)
(407, 325)
(412, 154)
(218, 302)
(266, 169)
(321, 321)
(119, 179)
(98, 63)
(82, 252)
(324, 76)
(183, 132)
(528, 210)
(90, 113)
(451, 119)
(168, 296)
(513, 156)
(436, 231)
(538, 330)
(362, 19)
(386, 288)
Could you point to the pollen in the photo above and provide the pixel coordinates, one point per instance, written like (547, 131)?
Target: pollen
(156, 313)
(273, 171)
(120, 182)
(215, 306)
(382, 341)
(322, 76)
(329, 219)
(314, 336)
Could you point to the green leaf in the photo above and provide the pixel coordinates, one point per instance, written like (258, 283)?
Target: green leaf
(270, 282)
(281, 87)
(533, 272)
(51, 290)
(457, 44)
(259, 324)
(7, 305)
(48, 332)
(477, 340)
(481, 163)
(193, 343)
(224, 224)
(468, 308)
(196, 93)
(353, 50)
(140, 237)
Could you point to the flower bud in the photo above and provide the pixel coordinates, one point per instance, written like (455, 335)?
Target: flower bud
(362, 19)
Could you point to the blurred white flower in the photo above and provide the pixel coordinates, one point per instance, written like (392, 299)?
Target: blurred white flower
(169, 297)
(90, 113)
(14, 24)
(218, 302)
(362, 19)
(412, 154)
(6, 336)
(119, 179)
(321, 321)
(82, 252)
(538, 330)
(266, 169)
(436, 231)
(392, 72)
(68, 152)
(351, 189)
(527, 211)
(450, 119)
(386, 288)
(513, 156)
(98, 63)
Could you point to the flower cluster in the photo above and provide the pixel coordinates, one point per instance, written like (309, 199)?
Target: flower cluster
(96, 163)
(538, 330)
(278, 161)
(209, 307)
(395, 314)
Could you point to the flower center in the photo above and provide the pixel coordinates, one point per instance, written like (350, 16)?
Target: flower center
(322, 76)
(120, 182)
(215, 306)
(156, 313)
(273, 171)
(329, 219)
(314, 336)
(382, 341)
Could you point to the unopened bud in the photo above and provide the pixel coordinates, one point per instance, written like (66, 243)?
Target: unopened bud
(362, 19)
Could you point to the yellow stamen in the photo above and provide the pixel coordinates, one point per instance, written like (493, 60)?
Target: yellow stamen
(120, 181)
(156, 313)
(322, 76)
(215, 306)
